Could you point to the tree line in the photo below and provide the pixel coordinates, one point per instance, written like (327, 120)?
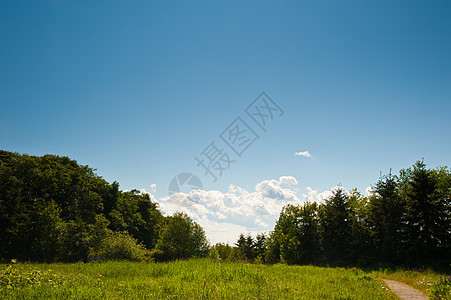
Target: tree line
(406, 220)
(53, 209)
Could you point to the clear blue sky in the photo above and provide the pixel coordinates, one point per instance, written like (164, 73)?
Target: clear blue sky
(137, 89)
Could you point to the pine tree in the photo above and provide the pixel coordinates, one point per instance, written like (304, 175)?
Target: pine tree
(426, 214)
(336, 228)
(386, 210)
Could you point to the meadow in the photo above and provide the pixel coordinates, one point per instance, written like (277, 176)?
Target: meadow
(193, 279)
(201, 279)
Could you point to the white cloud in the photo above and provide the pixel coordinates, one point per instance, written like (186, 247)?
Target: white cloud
(369, 191)
(153, 187)
(290, 180)
(237, 211)
(315, 196)
(144, 192)
(304, 153)
(223, 232)
(224, 216)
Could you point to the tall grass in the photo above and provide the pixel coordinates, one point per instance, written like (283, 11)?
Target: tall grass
(193, 279)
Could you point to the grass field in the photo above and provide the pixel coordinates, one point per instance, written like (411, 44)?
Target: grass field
(193, 279)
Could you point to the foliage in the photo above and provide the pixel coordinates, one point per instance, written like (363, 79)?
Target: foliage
(47, 204)
(138, 215)
(222, 252)
(181, 238)
(53, 209)
(427, 220)
(121, 246)
(259, 246)
(272, 252)
(297, 235)
(335, 220)
(386, 210)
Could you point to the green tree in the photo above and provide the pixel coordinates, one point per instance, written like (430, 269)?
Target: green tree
(138, 215)
(241, 244)
(336, 228)
(386, 210)
(200, 242)
(272, 245)
(361, 249)
(223, 250)
(427, 214)
(47, 232)
(181, 238)
(297, 231)
(52, 208)
(443, 175)
(260, 246)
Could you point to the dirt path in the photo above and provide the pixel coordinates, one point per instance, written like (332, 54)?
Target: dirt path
(403, 291)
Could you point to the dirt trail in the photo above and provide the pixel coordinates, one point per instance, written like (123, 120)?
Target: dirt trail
(403, 291)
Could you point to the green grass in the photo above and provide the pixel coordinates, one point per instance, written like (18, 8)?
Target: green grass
(193, 279)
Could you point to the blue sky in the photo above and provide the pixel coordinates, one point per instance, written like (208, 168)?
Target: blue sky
(138, 89)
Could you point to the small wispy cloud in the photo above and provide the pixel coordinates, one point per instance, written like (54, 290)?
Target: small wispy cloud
(305, 154)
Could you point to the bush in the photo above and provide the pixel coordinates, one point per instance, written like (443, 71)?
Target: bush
(121, 246)
(214, 254)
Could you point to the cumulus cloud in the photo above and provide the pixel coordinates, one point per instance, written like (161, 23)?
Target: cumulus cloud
(304, 153)
(290, 180)
(319, 197)
(238, 210)
(153, 187)
(224, 216)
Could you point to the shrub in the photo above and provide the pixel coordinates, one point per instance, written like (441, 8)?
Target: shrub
(121, 246)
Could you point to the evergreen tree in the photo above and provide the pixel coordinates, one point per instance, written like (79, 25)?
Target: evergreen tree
(260, 246)
(272, 245)
(426, 214)
(386, 210)
(336, 230)
(361, 250)
(443, 175)
(241, 245)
